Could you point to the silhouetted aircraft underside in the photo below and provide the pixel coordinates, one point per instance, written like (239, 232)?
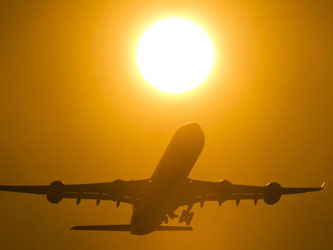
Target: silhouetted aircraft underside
(155, 200)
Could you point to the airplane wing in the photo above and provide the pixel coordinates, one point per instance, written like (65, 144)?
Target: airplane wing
(201, 191)
(118, 191)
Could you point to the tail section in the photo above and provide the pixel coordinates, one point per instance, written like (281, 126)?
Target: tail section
(173, 228)
(121, 228)
(127, 228)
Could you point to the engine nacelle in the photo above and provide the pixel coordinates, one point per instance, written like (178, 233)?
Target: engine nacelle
(117, 189)
(272, 193)
(118, 182)
(118, 186)
(225, 188)
(56, 192)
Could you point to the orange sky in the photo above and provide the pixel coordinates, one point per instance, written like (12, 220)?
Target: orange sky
(74, 107)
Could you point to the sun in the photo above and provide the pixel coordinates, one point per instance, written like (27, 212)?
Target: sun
(175, 55)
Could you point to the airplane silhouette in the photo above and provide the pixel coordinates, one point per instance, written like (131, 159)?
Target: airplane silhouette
(155, 200)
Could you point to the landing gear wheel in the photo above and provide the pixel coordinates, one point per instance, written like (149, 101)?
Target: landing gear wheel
(166, 220)
(172, 215)
(183, 216)
(189, 218)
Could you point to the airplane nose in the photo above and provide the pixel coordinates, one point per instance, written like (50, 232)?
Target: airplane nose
(192, 126)
(192, 132)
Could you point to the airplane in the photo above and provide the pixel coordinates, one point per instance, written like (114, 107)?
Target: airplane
(155, 200)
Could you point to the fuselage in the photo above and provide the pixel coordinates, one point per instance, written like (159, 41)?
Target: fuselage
(172, 170)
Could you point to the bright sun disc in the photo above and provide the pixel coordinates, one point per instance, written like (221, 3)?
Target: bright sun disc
(175, 55)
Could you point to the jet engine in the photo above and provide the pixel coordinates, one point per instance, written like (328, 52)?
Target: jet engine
(272, 193)
(118, 182)
(225, 188)
(117, 190)
(117, 187)
(56, 192)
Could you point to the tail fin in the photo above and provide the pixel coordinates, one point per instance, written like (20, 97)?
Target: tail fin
(122, 228)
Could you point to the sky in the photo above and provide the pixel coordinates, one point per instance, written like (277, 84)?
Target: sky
(75, 108)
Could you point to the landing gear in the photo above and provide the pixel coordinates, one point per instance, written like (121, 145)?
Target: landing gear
(166, 220)
(186, 217)
(172, 215)
(183, 216)
(189, 218)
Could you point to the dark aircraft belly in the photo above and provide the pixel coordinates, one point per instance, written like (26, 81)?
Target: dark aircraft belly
(146, 221)
(147, 218)
(181, 154)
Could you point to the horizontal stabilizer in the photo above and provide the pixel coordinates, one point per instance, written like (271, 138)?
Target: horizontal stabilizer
(123, 228)
(127, 228)
(173, 228)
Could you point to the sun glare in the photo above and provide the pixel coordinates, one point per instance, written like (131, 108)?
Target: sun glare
(175, 55)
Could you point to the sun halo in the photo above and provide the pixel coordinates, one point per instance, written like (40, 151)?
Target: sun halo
(175, 55)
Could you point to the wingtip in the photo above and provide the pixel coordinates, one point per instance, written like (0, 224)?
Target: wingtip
(322, 186)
